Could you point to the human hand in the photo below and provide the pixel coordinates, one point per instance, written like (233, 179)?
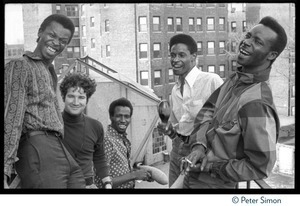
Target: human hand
(141, 174)
(196, 156)
(5, 182)
(166, 129)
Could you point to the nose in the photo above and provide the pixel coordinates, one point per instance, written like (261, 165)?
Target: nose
(247, 42)
(56, 41)
(75, 101)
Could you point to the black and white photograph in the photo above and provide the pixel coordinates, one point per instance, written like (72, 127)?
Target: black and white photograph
(150, 98)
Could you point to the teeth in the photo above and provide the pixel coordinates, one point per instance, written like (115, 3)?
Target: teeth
(244, 52)
(51, 49)
(122, 126)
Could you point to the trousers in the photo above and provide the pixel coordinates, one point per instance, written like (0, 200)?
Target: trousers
(45, 163)
(179, 150)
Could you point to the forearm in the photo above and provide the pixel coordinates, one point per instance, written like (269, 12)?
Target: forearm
(117, 181)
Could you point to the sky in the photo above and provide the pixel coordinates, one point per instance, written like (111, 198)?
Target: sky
(13, 24)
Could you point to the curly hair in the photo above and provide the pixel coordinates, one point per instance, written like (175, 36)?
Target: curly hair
(78, 80)
(65, 21)
(184, 39)
(120, 102)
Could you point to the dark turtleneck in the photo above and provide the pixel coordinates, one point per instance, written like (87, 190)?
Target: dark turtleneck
(83, 137)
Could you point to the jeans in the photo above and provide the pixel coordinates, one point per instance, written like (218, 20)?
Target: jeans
(45, 163)
(179, 150)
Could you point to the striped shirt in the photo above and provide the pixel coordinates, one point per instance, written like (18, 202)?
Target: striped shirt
(30, 103)
(239, 124)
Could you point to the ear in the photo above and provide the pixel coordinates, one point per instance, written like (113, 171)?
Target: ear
(194, 55)
(40, 33)
(272, 55)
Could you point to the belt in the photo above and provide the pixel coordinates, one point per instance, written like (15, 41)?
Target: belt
(42, 132)
(89, 181)
(185, 139)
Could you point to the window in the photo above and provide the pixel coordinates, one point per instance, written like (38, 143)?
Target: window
(73, 52)
(233, 46)
(222, 47)
(58, 9)
(222, 24)
(82, 9)
(107, 50)
(144, 77)
(142, 24)
(156, 23)
(199, 24)
(84, 51)
(170, 24)
(92, 21)
(171, 75)
(233, 63)
(210, 5)
(244, 26)
(156, 50)
(293, 111)
(83, 31)
(143, 51)
(191, 24)
(76, 31)
(93, 43)
(199, 48)
(233, 26)
(72, 10)
(106, 25)
(222, 71)
(210, 24)
(158, 142)
(211, 68)
(210, 47)
(157, 77)
(293, 91)
(179, 24)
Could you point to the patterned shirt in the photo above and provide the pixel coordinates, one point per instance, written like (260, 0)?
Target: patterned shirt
(117, 149)
(239, 123)
(197, 88)
(30, 103)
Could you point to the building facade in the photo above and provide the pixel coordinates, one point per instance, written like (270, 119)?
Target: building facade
(12, 51)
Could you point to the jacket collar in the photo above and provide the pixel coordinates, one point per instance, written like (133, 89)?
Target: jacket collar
(31, 55)
(260, 76)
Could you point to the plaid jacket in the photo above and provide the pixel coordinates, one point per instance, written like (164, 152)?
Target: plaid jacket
(239, 123)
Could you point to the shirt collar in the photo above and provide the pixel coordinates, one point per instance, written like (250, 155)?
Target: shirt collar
(112, 130)
(191, 76)
(260, 76)
(32, 55)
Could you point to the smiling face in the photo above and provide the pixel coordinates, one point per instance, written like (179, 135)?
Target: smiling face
(182, 60)
(121, 119)
(52, 41)
(75, 101)
(255, 51)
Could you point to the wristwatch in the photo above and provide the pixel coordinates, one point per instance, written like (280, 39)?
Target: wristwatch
(107, 182)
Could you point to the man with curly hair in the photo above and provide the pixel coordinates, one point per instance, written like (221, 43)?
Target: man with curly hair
(83, 134)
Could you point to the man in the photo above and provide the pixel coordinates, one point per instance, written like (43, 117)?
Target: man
(188, 96)
(83, 136)
(33, 127)
(118, 147)
(237, 128)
